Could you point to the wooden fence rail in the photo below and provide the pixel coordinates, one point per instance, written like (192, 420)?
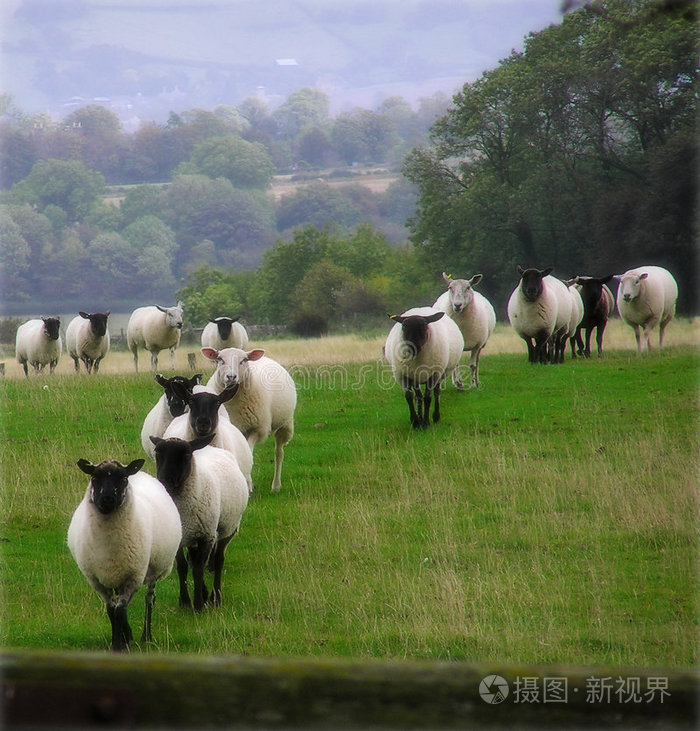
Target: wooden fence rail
(41, 689)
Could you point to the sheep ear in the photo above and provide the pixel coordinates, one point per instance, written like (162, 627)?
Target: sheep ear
(396, 318)
(181, 391)
(210, 353)
(546, 272)
(228, 393)
(156, 440)
(605, 280)
(84, 315)
(476, 279)
(643, 276)
(255, 354)
(202, 442)
(521, 271)
(434, 317)
(161, 380)
(446, 277)
(196, 379)
(87, 467)
(162, 309)
(133, 467)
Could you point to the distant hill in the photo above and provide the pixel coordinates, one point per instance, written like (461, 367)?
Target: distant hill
(147, 58)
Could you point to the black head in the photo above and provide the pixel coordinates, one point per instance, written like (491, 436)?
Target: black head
(204, 407)
(51, 327)
(592, 289)
(223, 325)
(98, 321)
(175, 398)
(414, 328)
(174, 460)
(531, 282)
(109, 482)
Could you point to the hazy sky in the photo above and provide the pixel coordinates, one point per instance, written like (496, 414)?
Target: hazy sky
(220, 51)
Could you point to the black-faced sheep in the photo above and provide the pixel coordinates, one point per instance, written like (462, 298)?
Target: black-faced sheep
(87, 339)
(224, 332)
(38, 343)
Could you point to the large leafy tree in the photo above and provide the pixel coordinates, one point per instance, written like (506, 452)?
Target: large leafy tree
(556, 156)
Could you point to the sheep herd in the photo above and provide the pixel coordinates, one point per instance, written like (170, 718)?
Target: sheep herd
(131, 527)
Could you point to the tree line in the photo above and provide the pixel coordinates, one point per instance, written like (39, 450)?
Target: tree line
(579, 152)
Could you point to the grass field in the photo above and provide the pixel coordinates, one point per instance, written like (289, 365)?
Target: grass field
(550, 517)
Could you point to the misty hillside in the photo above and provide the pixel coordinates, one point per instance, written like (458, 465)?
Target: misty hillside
(151, 57)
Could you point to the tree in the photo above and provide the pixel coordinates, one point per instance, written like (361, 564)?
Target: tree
(305, 108)
(317, 204)
(245, 164)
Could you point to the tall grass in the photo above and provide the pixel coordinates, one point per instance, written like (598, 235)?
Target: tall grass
(550, 517)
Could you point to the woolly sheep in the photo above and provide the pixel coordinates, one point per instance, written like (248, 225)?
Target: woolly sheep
(560, 334)
(646, 298)
(124, 534)
(224, 332)
(87, 339)
(211, 494)
(207, 415)
(532, 312)
(575, 318)
(154, 328)
(37, 343)
(475, 317)
(265, 401)
(168, 406)
(423, 347)
(598, 306)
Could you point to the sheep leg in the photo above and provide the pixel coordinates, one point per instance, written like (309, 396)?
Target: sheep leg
(199, 556)
(52, 366)
(172, 359)
(589, 334)
(599, 340)
(662, 330)
(76, 362)
(182, 568)
(282, 436)
(457, 379)
(154, 360)
(432, 388)
(217, 565)
(150, 601)
(408, 392)
(136, 359)
(474, 368)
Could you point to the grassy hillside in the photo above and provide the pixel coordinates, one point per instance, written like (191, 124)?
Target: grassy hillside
(550, 517)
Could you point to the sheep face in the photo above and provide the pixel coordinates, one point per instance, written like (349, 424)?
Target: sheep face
(591, 290)
(51, 327)
(223, 325)
(204, 408)
(174, 460)
(232, 364)
(98, 322)
(109, 482)
(631, 285)
(173, 315)
(531, 282)
(177, 404)
(414, 330)
(461, 292)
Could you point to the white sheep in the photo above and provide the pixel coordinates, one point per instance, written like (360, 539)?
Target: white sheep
(576, 314)
(532, 312)
(154, 328)
(224, 332)
(646, 298)
(168, 406)
(565, 306)
(475, 317)
(423, 347)
(265, 401)
(207, 415)
(87, 339)
(211, 494)
(37, 343)
(125, 533)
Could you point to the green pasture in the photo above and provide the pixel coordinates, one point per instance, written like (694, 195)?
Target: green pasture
(551, 517)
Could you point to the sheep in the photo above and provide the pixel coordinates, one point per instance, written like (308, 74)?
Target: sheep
(37, 343)
(211, 494)
(532, 312)
(87, 339)
(474, 316)
(646, 297)
(224, 332)
(125, 533)
(576, 316)
(207, 415)
(265, 401)
(154, 328)
(423, 347)
(168, 406)
(598, 306)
